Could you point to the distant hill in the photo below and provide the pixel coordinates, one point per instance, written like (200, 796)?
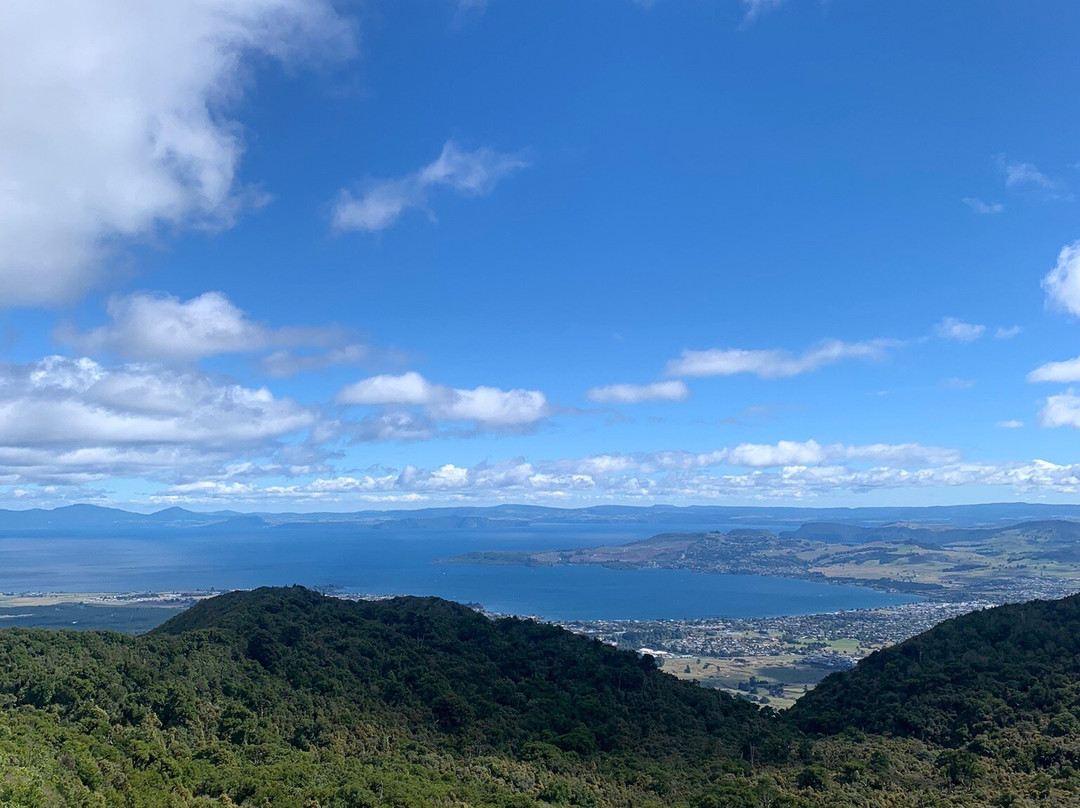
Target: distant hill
(1032, 532)
(1011, 562)
(926, 536)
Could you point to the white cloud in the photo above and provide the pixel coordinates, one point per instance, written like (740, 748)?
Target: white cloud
(1064, 372)
(958, 330)
(983, 208)
(408, 388)
(674, 390)
(381, 203)
(488, 406)
(492, 406)
(775, 363)
(1061, 410)
(1007, 333)
(1012, 423)
(116, 124)
(1018, 174)
(1062, 283)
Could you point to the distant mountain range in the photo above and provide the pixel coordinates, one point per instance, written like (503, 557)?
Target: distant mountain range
(839, 524)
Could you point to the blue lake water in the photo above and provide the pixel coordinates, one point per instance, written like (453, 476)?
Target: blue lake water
(405, 562)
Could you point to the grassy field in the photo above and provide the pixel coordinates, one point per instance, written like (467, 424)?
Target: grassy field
(727, 673)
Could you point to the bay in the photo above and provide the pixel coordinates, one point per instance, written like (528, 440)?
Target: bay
(406, 562)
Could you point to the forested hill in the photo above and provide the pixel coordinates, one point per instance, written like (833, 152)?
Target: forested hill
(287, 698)
(450, 674)
(985, 678)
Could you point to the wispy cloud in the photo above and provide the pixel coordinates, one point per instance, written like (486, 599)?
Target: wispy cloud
(1020, 174)
(983, 208)
(1012, 423)
(285, 363)
(957, 383)
(674, 390)
(755, 8)
(776, 363)
(1008, 333)
(958, 330)
(381, 203)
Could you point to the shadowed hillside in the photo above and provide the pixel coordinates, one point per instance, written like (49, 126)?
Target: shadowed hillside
(1005, 672)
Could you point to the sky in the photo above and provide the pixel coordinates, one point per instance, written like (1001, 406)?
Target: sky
(311, 255)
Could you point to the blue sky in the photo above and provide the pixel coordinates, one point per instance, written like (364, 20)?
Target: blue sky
(288, 254)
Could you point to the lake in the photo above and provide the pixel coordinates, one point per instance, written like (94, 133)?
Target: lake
(404, 561)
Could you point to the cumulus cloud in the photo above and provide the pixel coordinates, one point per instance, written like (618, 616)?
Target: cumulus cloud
(955, 329)
(491, 406)
(775, 363)
(380, 204)
(162, 327)
(408, 388)
(487, 406)
(75, 419)
(116, 124)
(983, 208)
(158, 327)
(1062, 283)
(674, 390)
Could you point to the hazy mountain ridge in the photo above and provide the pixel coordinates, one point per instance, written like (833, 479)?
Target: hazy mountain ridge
(78, 518)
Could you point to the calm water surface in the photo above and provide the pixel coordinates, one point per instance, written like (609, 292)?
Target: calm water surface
(404, 562)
